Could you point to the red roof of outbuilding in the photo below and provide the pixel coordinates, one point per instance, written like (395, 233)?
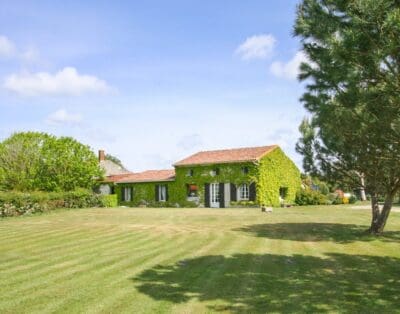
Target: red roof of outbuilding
(248, 154)
(117, 177)
(149, 176)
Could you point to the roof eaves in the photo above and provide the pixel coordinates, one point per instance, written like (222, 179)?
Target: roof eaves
(146, 181)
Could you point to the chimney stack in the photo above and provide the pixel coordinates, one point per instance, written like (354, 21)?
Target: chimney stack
(102, 155)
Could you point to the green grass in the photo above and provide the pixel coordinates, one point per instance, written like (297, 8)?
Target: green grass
(310, 259)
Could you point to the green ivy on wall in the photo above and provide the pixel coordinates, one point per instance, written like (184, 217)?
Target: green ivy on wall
(277, 171)
(141, 192)
(202, 174)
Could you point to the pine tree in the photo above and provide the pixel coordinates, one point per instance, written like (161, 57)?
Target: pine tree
(353, 93)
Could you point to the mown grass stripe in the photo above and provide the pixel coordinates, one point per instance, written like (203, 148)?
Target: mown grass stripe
(121, 302)
(52, 265)
(46, 251)
(100, 264)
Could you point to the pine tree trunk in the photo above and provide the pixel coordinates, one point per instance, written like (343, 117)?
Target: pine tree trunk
(379, 217)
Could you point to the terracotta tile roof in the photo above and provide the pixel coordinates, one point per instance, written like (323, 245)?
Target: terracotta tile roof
(150, 176)
(248, 154)
(117, 177)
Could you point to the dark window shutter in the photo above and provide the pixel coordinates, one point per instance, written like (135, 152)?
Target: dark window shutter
(156, 193)
(207, 195)
(252, 192)
(122, 194)
(166, 193)
(233, 193)
(222, 195)
(131, 193)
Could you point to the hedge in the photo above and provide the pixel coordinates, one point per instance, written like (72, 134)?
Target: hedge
(310, 197)
(110, 200)
(19, 203)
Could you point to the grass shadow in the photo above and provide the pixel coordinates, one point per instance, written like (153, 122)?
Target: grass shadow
(340, 233)
(258, 283)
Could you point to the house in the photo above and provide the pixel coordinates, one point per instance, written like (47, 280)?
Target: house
(218, 178)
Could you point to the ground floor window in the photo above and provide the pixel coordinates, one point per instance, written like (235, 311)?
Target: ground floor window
(244, 192)
(127, 194)
(192, 190)
(283, 192)
(162, 193)
(214, 191)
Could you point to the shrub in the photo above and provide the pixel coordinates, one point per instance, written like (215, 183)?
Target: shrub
(19, 203)
(110, 200)
(187, 204)
(335, 199)
(352, 199)
(310, 197)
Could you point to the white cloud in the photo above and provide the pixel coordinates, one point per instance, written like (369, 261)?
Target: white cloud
(7, 47)
(257, 47)
(63, 117)
(65, 82)
(9, 50)
(289, 70)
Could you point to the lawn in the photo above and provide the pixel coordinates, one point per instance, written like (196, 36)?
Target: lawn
(309, 259)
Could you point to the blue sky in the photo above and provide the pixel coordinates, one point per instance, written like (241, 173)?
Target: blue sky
(152, 81)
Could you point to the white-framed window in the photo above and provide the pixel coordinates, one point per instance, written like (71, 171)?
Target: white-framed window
(243, 192)
(190, 173)
(214, 193)
(127, 194)
(162, 193)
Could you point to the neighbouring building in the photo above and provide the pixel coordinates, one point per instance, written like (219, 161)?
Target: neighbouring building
(112, 172)
(219, 178)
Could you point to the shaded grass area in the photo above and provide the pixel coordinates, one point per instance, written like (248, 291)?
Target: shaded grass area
(308, 259)
(307, 231)
(280, 283)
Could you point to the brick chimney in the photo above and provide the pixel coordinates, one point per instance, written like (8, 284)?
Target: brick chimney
(102, 155)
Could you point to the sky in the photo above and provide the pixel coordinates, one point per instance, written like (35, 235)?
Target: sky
(152, 82)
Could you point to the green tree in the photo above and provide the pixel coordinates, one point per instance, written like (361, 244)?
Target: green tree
(352, 94)
(38, 161)
(19, 160)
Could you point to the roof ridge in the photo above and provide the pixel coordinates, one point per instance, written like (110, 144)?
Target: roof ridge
(236, 148)
(253, 153)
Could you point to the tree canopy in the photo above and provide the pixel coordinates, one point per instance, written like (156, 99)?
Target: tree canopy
(353, 94)
(39, 161)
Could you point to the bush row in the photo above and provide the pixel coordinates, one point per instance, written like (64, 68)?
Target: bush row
(311, 197)
(18, 203)
(154, 204)
(243, 204)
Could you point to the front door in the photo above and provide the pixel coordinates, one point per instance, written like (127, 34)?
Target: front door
(214, 195)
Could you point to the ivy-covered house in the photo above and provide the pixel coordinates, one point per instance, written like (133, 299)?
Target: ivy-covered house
(220, 178)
